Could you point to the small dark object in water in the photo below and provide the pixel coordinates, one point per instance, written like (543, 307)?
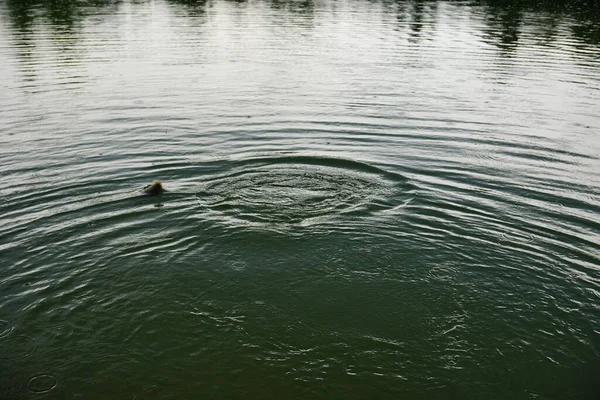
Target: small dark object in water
(155, 189)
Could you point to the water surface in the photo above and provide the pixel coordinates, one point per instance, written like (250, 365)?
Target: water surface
(364, 199)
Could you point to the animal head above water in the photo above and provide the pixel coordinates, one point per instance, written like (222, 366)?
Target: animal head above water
(154, 189)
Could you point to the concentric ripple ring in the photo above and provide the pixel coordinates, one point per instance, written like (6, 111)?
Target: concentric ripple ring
(42, 383)
(298, 189)
(17, 346)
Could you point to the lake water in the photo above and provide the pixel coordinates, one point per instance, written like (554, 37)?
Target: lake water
(365, 199)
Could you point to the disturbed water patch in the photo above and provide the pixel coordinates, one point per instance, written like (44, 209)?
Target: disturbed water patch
(151, 391)
(5, 328)
(41, 383)
(299, 190)
(14, 347)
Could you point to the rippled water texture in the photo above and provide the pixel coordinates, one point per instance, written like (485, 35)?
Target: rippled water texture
(364, 199)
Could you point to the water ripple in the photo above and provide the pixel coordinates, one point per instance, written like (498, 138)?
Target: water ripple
(42, 383)
(302, 189)
(391, 197)
(16, 347)
(5, 328)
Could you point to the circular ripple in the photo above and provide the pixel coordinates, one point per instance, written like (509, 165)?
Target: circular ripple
(5, 328)
(295, 189)
(238, 266)
(19, 346)
(42, 383)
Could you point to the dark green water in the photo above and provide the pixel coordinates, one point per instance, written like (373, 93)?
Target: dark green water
(366, 199)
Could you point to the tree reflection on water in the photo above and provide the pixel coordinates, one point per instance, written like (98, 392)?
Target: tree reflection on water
(504, 19)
